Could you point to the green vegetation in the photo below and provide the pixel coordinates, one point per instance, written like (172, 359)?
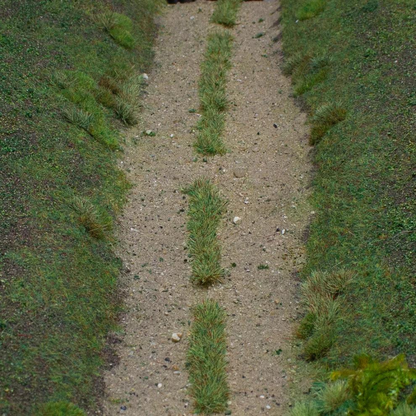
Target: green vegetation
(206, 359)
(59, 409)
(225, 12)
(363, 192)
(370, 388)
(64, 81)
(212, 94)
(206, 208)
(310, 9)
(352, 65)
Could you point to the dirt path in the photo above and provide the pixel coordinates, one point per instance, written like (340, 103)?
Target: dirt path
(264, 177)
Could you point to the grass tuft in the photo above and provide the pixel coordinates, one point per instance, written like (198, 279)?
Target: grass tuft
(59, 409)
(225, 12)
(404, 409)
(304, 409)
(322, 295)
(212, 94)
(332, 396)
(206, 209)
(78, 117)
(206, 359)
(95, 222)
(311, 9)
(325, 117)
(119, 27)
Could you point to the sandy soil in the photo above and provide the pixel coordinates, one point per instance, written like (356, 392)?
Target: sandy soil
(265, 177)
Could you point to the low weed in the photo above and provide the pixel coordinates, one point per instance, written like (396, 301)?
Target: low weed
(206, 360)
(325, 117)
(212, 94)
(225, 12)
(311, 9)
(206, 208)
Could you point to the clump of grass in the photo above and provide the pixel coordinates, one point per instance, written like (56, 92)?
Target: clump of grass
(78, 117)
(87, 112)
(322, 295)
(311, 9)
(212, 94)
(304, 409)
(325, 117)
(225, 12)
(307, 71)
(206, 209)
(95, 222)
(263, 267)
(332, 396)
(404, 409)
(59, 409)
(119, 27)
(206, 359)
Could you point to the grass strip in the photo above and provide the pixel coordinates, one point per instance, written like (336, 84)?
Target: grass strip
(225, 12)
(206, 209)
(212, 94)
(206, 359)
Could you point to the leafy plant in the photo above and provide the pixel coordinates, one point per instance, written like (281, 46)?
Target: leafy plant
(376, 386)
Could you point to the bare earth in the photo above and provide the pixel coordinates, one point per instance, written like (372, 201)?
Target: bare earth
(265, 178)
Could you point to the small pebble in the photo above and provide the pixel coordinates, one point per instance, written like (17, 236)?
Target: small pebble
(236, 220)
(159, 385)
(176, 336)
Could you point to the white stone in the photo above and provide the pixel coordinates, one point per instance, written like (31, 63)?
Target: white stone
(236, 220)
(176, 336)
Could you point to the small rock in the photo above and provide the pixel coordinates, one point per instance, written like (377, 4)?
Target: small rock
(236, 220)
(268, 407)
(160, 385)
(275, 125)
(192, 17)
(145, 77)
(240, 172)
(176, 336)
(123, 407)
(261, 397)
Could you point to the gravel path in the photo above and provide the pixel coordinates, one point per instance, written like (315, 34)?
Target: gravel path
(265, 177)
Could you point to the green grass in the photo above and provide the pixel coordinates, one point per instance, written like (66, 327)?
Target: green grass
(310, 9)
(206, 359)
(225, 12)
(206, 209)
(212, 94)
(364, 181)
(62, 75)
(59, 409)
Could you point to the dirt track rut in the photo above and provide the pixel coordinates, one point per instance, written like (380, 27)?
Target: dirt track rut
(265, 178)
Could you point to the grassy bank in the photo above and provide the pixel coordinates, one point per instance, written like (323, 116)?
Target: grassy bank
(206, 208)
(206, 359)
(353, 65)
(212, 94)
(69, 85)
